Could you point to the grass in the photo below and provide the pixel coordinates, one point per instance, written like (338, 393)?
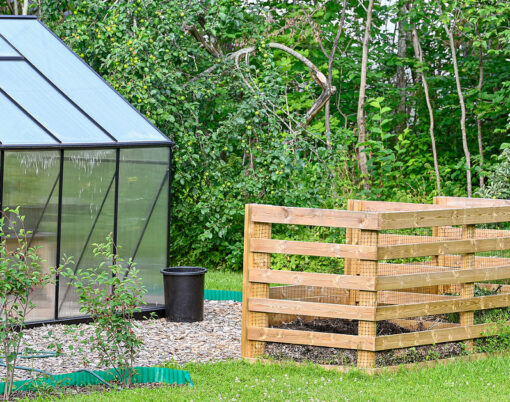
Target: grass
(224, 280)
(482, 380)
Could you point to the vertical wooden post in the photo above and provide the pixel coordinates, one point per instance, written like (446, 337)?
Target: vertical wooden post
(352, 237)
(253, 261)
(366, 359)
(467, 290)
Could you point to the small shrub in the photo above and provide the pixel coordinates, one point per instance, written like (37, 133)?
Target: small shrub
(111, 293)
(20, 273)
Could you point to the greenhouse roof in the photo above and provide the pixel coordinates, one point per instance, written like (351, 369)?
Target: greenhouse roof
(49, 97)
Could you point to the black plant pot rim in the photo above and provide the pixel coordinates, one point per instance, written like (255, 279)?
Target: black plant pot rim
(183, 271)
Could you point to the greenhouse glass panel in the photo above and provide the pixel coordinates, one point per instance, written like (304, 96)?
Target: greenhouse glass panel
(31, 182)
(87, 214)
(46, 105)
(17, 127)
(143, 214)
(71, 75)
(6, 50)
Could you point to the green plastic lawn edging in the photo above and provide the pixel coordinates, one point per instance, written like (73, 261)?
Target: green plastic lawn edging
(142, 375)
(223, 295)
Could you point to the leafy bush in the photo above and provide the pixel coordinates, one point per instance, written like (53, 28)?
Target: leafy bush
(111, 293)
(498, 185)
(20, 274)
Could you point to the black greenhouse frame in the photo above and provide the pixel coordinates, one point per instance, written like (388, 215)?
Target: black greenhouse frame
(65, 150)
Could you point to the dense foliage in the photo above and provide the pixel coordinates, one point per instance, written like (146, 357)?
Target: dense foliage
(238, 122)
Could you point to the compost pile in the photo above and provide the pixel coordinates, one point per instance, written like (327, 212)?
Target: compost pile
(348, 357)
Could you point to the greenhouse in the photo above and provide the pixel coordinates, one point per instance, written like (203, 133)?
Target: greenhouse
(81, 163)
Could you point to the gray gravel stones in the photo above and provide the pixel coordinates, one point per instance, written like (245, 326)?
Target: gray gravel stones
(216, 338)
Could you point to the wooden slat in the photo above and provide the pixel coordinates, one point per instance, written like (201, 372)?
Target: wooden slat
(443, 217)
(311, 338)
(444, 247)
(389, 297)
(433, 336)
(313, 249)
(459, 202)
(441, 278)
(442, 307)
(315, 217)
(388, 206)
(325, 310)
(312, 279)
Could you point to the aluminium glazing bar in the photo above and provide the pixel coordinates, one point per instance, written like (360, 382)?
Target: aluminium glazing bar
(59, 231)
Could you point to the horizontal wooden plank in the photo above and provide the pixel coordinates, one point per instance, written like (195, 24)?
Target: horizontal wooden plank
(313, 249)
(324, 310)
(442, 278)
(312, 279)
(444, 217)
(311, 338)
(442, 307)
(315, 217)
(389, 297)
(387, 206)
(433, 336)
(443, 247)
(460, 202)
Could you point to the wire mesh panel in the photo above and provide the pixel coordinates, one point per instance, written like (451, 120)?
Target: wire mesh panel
(31, 182)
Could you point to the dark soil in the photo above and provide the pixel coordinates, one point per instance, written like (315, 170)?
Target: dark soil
(60, 392)
(348, 357)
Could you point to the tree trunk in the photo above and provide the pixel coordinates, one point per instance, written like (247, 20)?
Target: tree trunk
(401, 75)
(361, 119)
(419, 56)
(478, 120)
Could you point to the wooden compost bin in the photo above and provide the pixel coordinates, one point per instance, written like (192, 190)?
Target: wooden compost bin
(404, 263)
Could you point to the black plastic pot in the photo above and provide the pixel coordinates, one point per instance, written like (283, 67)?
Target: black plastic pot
(184, 293)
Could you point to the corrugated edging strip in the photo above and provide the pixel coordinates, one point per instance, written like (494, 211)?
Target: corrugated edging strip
(142, 375)
(223, 295)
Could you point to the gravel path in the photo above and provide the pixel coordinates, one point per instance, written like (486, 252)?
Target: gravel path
(216, 338)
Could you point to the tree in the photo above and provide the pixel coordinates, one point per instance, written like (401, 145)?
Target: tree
(361, 118)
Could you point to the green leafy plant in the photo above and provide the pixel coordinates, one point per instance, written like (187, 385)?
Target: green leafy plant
(496, 339)
(111, 293)
(21, 273)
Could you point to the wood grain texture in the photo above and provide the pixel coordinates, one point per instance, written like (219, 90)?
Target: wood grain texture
(442, 307)
(311, 338)
(434, 336)
(325, 310)
(312, 249)
(312, 279)
(460, 202)
(444, 217)
(315, 217)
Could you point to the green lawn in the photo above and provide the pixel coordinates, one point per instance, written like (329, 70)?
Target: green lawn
(220, 280)
(483, 380)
